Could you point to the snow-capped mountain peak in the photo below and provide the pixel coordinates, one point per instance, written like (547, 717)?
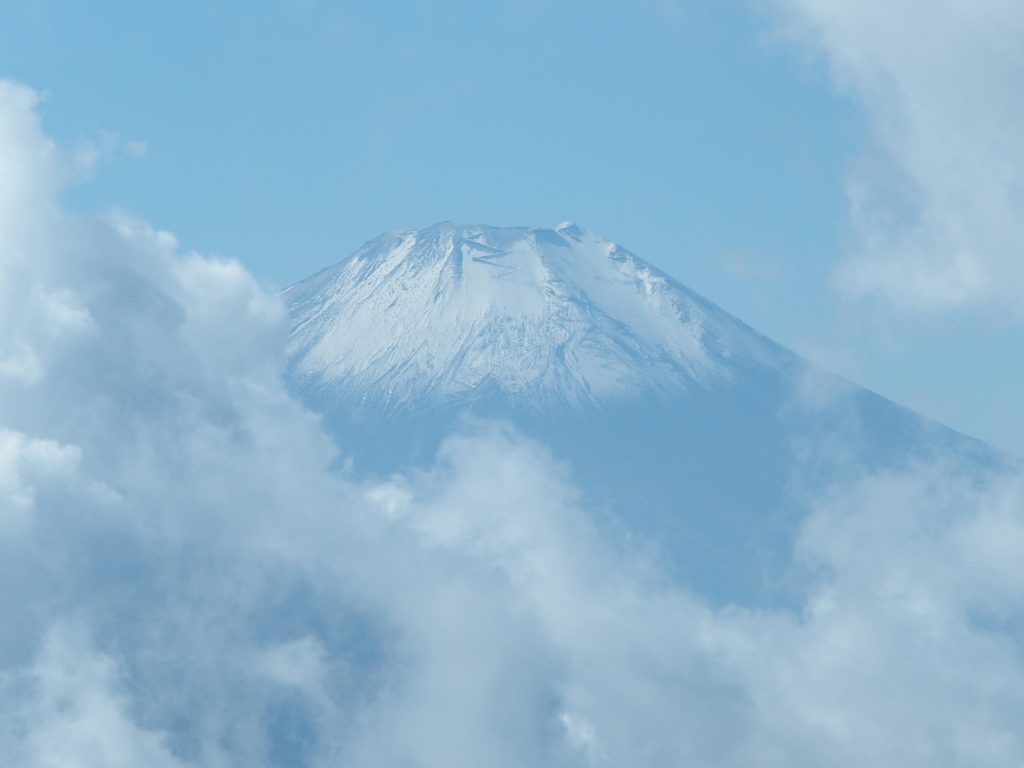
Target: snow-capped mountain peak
(680, 423)
(537, 315)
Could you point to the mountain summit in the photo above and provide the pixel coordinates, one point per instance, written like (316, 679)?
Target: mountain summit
(543, 316)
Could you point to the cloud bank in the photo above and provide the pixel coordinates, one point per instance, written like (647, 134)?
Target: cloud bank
(938, 199)
(189, 577)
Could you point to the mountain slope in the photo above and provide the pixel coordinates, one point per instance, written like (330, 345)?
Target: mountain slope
(686, 429)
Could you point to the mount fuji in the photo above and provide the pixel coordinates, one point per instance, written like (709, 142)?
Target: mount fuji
(686, 430)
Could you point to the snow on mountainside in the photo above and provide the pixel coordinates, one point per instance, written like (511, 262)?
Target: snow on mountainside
(545, 316)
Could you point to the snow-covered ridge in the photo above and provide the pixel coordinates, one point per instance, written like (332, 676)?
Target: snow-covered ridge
(541, 316)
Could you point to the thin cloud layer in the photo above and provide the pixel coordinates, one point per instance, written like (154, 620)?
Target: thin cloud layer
(189, 579)
(938, 200)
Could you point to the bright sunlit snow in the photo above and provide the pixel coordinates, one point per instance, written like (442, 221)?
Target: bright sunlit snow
(546, 316)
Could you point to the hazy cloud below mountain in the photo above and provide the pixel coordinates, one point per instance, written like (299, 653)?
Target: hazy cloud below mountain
(191, 578)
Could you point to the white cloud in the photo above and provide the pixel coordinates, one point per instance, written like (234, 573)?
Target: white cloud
(199, 587)
(23, 463)
(939, 200)
(31, 171)
(893, 660)
(93, 152)
(298, 663)
(73, 714)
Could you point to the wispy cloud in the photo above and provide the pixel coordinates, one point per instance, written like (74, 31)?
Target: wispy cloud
(750, 267)
(938, 197)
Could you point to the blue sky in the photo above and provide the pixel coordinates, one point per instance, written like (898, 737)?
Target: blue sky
(702, 135)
